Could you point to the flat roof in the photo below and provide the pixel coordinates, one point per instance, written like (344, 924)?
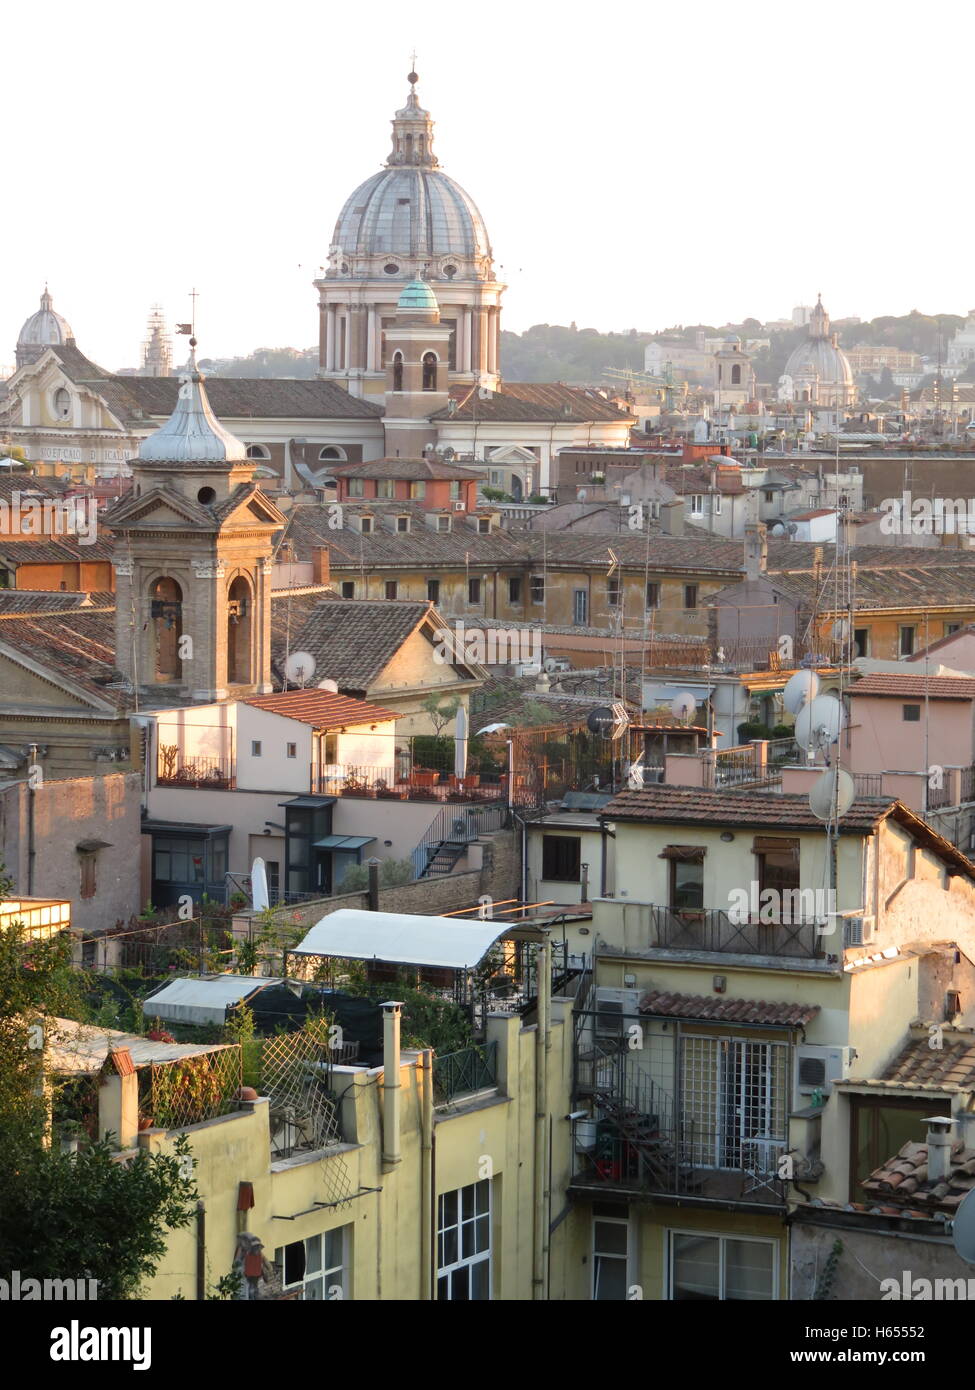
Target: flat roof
(402, 938)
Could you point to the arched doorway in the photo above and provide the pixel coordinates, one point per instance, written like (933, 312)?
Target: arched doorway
(239, 618)
(166, 615)
(429, 371)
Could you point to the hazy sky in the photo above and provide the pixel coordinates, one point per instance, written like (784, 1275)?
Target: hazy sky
(638, 165)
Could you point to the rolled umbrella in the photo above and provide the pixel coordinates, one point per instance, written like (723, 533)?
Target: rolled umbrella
(460, 744)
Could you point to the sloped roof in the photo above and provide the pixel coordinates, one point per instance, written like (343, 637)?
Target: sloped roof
(78, 646)
(449, 942)
(406, 469)
(320, 708)
(354, 640)
(904, 1179)
(551, 402)
(950, 1066)
(665, 805)
(894, 685)
(708, 1008)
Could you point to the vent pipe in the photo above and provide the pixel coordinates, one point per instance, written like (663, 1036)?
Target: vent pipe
(391, 1083)
(939, 1148)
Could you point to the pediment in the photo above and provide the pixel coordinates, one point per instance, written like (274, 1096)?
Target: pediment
(160, 507)
(512, 453)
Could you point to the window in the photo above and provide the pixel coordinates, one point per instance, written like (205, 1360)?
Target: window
(356, 487)
(610, 1257)
(735, 1095)
(318, 1266)
(402, 523)
(716, 503)
(330, 454)
(418, 491)
(258, 452)
(613, 592)
(454, 490)
(736, 375)
(397, 371)
(390, 268)
(538, 588)
(861, 641)
(686, 879)
(911, 714)
(952, 627)
(88, 875)
(514, 588)
(483, 525)
(178, 861)
(292, 750)
(777, 864)
(365, 525)
(429, 371)
(713, 1269)
(391, 588)
(653, 595)
(697, 504)
(580, 607)
(768, 496)
(255, 748)
(464, 1244)
(385, 487)
(433, 590)
(473, 591)
(690, 595)
(62, 403)
(879, 1127)
(348, 588)
(443, 523)
(907, 638)
(561, 858)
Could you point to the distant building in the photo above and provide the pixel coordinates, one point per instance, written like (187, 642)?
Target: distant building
(43, 329)
(961, 349)
(818, 370)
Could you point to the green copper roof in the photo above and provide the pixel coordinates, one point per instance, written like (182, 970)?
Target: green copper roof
(418, 295)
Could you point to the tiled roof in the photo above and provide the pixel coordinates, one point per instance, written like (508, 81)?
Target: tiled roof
(529, 401)
(405, 468)
(797, 556)
(887, 587)
(904, 1179)
(354, 640)
(308, 528)
(54, 550)
(668, 805)
(79, 646)
(923, 652)
(15, 601)
(637, 551)
(894, 684)
(707, 1008)
(950, 1065)
(320, 708)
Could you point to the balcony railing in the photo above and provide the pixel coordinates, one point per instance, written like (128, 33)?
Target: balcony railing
(712, 929)
(464, 1073)
(198, 772)
(414, 784)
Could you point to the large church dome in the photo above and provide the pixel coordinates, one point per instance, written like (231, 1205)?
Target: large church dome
(45, 328)
(819, 365)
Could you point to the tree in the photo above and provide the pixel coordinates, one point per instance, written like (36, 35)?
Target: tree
(440, 711)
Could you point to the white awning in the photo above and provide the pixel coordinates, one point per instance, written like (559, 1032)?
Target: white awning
(202, 1000)
(453, 942)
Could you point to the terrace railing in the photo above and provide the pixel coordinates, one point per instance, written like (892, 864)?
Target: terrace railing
(712, 929)
(464, 1073)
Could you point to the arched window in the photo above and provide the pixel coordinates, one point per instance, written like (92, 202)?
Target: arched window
(429, 371)
(736, 375)
(331, 454)
(259, 452)
(166, 616)
(397, 371)
(805, 395)
(239, 614)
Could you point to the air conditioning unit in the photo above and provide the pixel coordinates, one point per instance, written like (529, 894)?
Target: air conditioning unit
(858, 931)
(613, 1007)
(460, 506)
(818, 1067)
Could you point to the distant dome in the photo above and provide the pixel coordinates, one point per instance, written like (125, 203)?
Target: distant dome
(45, 328)
(418, 296)
(820, 358)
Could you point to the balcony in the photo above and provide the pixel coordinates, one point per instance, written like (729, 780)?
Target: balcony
(199, 772)
(712, 929)
(417, 784)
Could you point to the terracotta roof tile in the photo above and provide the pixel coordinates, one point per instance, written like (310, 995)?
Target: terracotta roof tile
(670, 805)
(321, 708)
(919, 1064)
(905, 1176)
(894, 684)
(354, 640)
(707, 1008)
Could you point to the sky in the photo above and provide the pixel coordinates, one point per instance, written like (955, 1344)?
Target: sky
(637, 165)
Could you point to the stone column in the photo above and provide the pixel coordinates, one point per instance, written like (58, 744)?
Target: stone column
(492, 340)
(482, 340)
(371, 340)
(330, 338)
(323, 336)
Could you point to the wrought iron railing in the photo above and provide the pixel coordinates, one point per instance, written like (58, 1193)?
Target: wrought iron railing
(712, 929)
(406, 784)
(869, 783)
(455, 828)
(198, 772)
(464, 1073)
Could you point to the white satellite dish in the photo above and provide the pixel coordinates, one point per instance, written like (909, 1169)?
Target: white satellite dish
(840, 631)
(682, 706)
(260, 897)
(820, 723)
(550, 664)
(963, 1229)
(835, 790)
(491, 729)
(300, 668)
(329, 685)
(799, 690)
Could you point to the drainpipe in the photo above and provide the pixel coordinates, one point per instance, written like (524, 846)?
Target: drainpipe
(201, 1251)
(543, 1045)
(391, 1084)
(425, 1065)
(30, 820)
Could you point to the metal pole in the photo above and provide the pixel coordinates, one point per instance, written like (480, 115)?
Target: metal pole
(543, 1044)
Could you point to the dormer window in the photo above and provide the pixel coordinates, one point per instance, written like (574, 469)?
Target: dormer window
(365, 525)
(443, 523)
(402, 523)
(483, 525)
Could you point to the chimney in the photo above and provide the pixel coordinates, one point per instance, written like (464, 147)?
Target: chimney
(118, 1099)
(938, 1140)
(320, 568)
(391, 1086)
(756, 550)
(672, 517)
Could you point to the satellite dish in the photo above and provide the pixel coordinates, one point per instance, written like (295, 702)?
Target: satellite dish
(836, 789)
(331, 686)
(819, 724)
(600, 720)
(260, 898)
(491, 729)
(682, 706)
(840, 631)
(799, 690)
(300, 668)
(963, 1229)
(581, 495)
(449, 454)
(550, 663)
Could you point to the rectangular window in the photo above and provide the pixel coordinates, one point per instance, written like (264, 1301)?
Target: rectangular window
(613, 592)
(454, 491)
(348, 588)
(561, 858)
(418, 490)
(690, 595)
(317, 1266)
(653, 595)
(356, 487)
(178, 861)
(331, 742)
(735, 1097)
(610, 1258)
(402, 523)
(391, 588)
(464, 1244)
(769, 496)
(687, 884)
(514, 588)
(365, 525)
(715, 1269)
(907, 638)
(292, 750)
(433, 590)
(777, 865)
(697, 504)
(473, 591)
(255, 748)
(911, 714)
(385, 487)
(538, 588)
(716, 503)
(580, 607)
(861, 641)
(484, 525)
(952, 627)
(443, 523)
(87, 875)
